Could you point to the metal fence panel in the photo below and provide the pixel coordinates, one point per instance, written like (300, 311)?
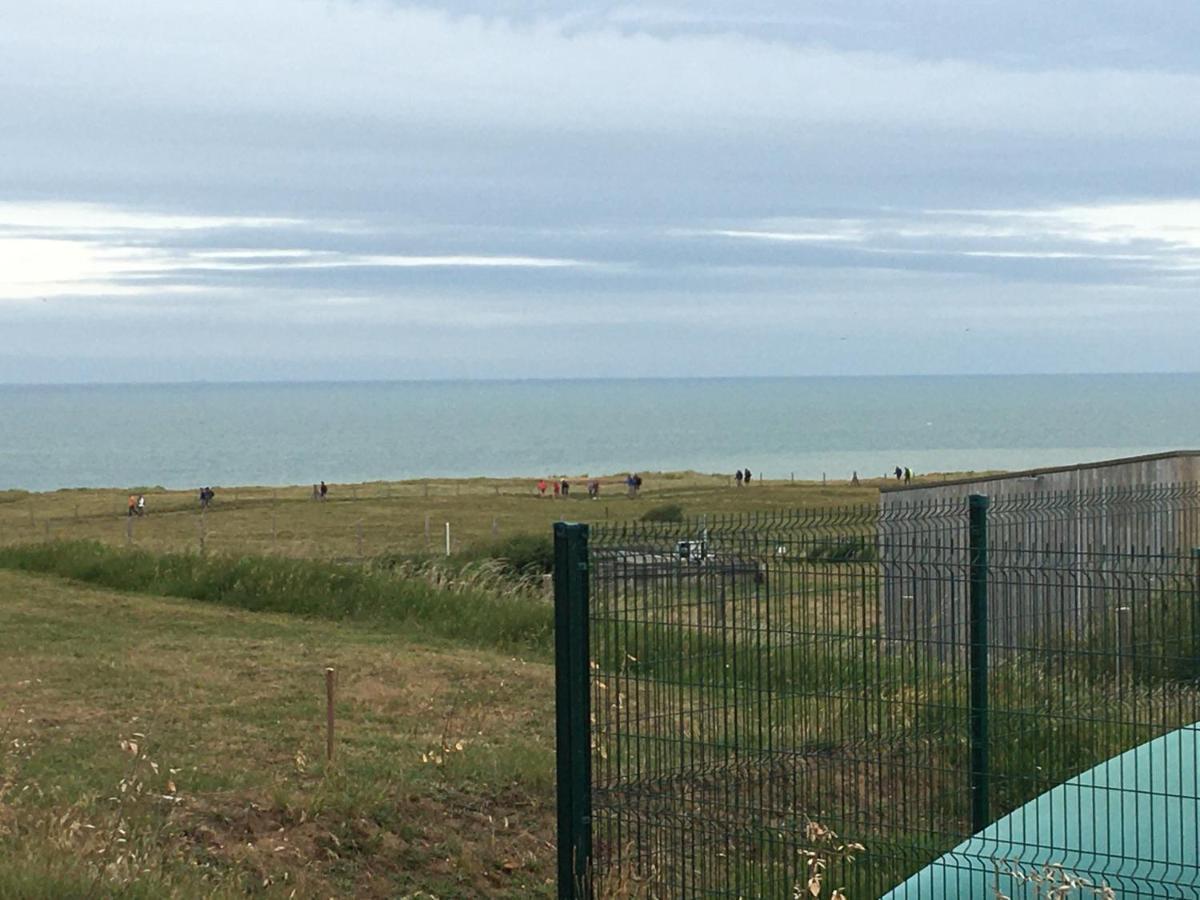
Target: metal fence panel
(788, 700)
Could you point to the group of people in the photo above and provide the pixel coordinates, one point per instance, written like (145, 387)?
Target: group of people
(905, 473)
(742, 477)
(561, 487)
(206, 496)
(137, 505)
(320, 491)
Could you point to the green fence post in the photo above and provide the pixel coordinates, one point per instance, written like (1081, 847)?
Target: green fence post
(978, 554)
(572, 662)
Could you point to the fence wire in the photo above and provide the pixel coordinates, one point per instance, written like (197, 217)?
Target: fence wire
(786, 697)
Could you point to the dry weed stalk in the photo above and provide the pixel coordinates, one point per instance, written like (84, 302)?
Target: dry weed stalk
(1051, 881)
(825, 851)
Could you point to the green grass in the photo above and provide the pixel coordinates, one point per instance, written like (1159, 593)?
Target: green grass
(477, 613)
(442, 780)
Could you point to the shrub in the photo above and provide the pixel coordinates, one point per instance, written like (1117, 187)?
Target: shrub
(668, 512)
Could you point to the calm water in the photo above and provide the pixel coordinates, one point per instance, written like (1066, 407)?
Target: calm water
(187, 435)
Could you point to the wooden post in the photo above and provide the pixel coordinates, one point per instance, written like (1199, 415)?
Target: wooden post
(447, 538)
(426, 528)
(359, 529)
(128, 531)
(329, 682)
(200, 531)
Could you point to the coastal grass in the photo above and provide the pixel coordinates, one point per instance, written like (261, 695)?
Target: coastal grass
(160, 747)
(471, 605)
(382, 518)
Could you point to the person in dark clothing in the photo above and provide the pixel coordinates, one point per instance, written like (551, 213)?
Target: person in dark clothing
(899, 473)
(907, 474)
(324, 490)
(747, 478)
(566, 488)
(738, 477)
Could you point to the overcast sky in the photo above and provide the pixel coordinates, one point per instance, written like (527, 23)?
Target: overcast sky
(301, 189)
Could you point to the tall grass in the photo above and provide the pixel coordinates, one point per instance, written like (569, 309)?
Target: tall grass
(470, 607)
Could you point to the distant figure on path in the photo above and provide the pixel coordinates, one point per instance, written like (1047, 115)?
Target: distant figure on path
(542, 487)
(629, 484)
(566, 488)
(141, 505)
(854, 478)
(593, 488)
(557, 487)
(747, 478)
(899, 473)
(907, 474)
(206, 496)
(637, 484)
(316, 492)
(132, 504)
(738, 477)
(324, 490)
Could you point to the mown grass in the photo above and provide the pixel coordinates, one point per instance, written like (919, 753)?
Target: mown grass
(442, 781)
(452, 604)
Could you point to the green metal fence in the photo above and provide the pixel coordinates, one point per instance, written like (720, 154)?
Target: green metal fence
(756, 706)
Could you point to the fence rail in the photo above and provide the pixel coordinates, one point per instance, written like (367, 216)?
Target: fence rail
(766, 694)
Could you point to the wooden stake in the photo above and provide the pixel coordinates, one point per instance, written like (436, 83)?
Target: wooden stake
(128, 530)
(329, 681)
(447, 538)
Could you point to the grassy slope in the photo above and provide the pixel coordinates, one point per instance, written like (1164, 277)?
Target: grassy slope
(389, 517)
(443, 780)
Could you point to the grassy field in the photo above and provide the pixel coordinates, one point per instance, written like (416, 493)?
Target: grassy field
(367, 520)
(159, 747)
(163, 713)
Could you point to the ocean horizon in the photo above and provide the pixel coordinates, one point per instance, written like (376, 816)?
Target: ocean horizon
(185, 434)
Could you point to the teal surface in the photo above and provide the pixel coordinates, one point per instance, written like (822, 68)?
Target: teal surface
(1129, 823)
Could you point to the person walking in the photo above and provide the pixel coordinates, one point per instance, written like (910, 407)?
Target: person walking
(907, 475)
(566, 488)
(132, 505)
(899, 473)
(738, 477)
(746, 478)
(141, 505)
(324, 490)
(541, 486)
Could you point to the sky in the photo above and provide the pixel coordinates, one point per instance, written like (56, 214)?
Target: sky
(368, 189)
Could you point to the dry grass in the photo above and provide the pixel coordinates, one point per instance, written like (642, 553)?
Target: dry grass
(442, 782)
(379, 518)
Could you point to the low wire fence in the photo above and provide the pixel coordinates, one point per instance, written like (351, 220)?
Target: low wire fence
(759, 706)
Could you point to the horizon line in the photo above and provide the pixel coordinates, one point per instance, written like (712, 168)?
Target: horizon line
(205, 382)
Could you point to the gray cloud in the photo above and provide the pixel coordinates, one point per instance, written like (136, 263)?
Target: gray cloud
(373, 189)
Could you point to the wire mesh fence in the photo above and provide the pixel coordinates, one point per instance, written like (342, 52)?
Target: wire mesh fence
(820, 700)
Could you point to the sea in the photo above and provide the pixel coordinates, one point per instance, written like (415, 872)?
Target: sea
(188, 435)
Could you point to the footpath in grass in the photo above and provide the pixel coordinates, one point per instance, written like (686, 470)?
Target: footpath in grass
(162, 747)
